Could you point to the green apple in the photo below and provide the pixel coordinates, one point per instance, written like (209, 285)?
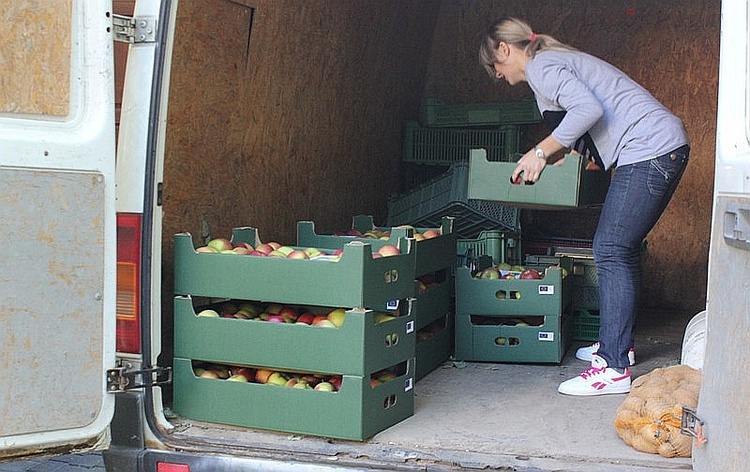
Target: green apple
(209, 313)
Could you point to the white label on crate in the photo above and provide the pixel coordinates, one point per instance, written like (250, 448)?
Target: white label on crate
(546, 290)
(546, 336)
(408, 384)
(410, 327)
(392, 305)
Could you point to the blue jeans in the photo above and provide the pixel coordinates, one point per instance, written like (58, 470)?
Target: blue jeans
(637, 196)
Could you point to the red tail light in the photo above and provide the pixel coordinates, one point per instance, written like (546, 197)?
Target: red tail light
(128, 282)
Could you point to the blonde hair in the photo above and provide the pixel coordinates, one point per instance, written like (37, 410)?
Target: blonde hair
(517, 32)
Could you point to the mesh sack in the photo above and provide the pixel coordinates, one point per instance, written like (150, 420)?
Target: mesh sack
(649, 418)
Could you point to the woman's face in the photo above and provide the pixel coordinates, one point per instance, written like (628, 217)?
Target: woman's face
(510, 64)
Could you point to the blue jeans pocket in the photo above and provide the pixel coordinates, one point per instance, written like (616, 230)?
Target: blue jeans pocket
(664, 173)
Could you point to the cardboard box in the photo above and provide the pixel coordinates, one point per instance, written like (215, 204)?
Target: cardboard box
(359, 346)
(356, 412)
(355, 280)
(431, 254)
(568, 185)
(493, 338)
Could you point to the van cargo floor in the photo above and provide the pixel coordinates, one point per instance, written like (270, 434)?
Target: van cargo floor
(487, 416)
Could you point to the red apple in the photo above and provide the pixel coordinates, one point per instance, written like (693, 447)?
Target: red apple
(336, 382)
(297, 254)
(265, 248)
(431, 233)
(306, 318)
(275, 319)
(257, 253)
(288, 314)
(220, 244)
(274, 244)
(206, 249)
(261, 375)
(530, 274)
(389, 250)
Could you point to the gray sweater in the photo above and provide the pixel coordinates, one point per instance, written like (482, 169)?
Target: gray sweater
(626, 123)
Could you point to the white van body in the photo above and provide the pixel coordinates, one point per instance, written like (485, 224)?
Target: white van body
(62, 182)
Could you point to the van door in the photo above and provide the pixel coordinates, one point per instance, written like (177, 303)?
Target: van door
(57, 213)
(723, 406)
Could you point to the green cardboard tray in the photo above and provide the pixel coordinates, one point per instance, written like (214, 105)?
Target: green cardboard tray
(546, 343)
(356, 412)
(568, 185)
(432, 352)
(358, 347)
(433, 303)
(355, 280)
(432, 254)
(550, 295)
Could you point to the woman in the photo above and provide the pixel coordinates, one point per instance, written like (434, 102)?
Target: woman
(632, 132)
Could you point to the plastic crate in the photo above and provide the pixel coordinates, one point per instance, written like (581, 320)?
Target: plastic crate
(502, 246)
(437, 113)
(356, 412)
(369, 346)
(569, 185)
(444, 146)
(447, 195)
(585, 324)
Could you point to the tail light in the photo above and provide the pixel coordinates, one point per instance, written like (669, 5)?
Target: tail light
(128, 283)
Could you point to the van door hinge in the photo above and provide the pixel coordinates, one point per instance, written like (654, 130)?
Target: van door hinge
(692, 425)
(120, 379)
(134, 30)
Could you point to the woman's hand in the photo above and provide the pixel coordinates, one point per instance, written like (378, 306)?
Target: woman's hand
(529, 169)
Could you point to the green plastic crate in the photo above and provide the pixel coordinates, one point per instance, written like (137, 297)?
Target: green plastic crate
(585, 324)
(356, 412)
(502, 246)
(447, 195)
(355, 280)
(368, 346)
(435, 350)
(431, 254)
(568, 185)
(444, 146)
(550, 295)
(483, 341)
(525, 111)
(433, 303)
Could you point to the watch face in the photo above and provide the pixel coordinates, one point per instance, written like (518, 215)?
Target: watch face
(540, 153)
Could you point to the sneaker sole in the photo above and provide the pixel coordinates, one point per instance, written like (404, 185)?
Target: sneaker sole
(594, 393)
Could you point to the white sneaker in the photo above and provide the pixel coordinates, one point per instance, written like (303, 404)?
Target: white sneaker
(586, 353)
(597, 380)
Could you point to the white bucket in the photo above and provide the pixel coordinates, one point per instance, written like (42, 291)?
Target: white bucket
(694, 342)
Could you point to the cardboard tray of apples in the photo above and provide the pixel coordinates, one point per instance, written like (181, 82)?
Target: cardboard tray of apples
(436, 248)
(309, 338)
(356, 275)
(492, 289)
(356, 408)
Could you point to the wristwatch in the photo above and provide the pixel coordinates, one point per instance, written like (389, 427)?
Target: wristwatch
(540, 153)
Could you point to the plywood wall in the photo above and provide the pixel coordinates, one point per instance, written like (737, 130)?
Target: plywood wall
(671, 47)
(286, 110)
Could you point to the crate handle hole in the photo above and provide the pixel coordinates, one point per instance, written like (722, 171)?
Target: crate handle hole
(503, 341)
(391, 276)
(390, 401)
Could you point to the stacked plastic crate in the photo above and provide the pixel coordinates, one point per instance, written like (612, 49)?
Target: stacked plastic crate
(371, 354)
(501, 319)
(435, 257)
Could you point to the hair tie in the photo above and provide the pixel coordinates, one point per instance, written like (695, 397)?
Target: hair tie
(532, 37)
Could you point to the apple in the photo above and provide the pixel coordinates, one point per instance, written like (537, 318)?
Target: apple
(227, 251)
(276, 378)
(292, 382)
(274, 244)
(256, 253)
(431, 233)
(337, 317)
(419, 237)
(243, 314)
(306, 318)
(244, 372)
(386, 377)
(326, 323)
(286, 250)
(303, 385)
(220, 244)
(490, 273)
(421, 287)
(312, 252)
(209, 313)
(262, 375)
(517, 268)
(510, 276)
(275, 319)
(208, 374)
(297, 254)
(504, 266)
(388, 250)
(276, 253)
(264, 248)
(324, 387)
(288, 314)
(336, 382)
(247, 246)
(382, 317)
(311, 380)
(241, 250)
(318, 318)
(530, 274)
(206, 249)
(374, 382)
(237, 378)
(274, 308)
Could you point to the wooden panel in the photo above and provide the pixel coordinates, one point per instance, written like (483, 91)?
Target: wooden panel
(671, 47)
(38, 30)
